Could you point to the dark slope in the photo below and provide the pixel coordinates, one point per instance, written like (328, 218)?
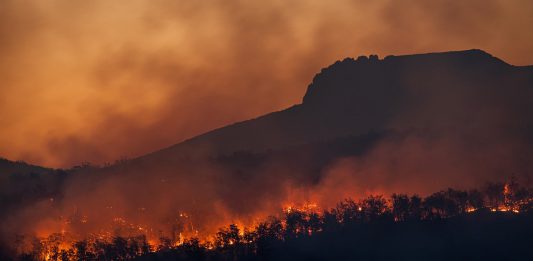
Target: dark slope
(482, 235)
(8, 167)
(353, 97)
(22, 183)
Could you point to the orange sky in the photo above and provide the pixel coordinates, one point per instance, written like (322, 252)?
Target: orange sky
(101, 80)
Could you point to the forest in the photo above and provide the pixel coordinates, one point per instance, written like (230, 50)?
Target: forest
(493, 222)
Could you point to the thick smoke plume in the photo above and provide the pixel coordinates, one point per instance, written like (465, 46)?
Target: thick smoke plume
(461, 130)
(100, 81)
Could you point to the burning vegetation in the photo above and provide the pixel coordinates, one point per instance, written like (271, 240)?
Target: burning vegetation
(123, 239)
(366, 126)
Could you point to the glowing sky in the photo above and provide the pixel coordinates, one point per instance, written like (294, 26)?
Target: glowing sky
(101, 80)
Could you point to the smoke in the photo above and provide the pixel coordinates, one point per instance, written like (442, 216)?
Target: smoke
(191, 199)
(421, 165)
(101, 81)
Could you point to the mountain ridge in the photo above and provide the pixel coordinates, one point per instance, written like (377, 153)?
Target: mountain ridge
(415, 125)
(291, 124)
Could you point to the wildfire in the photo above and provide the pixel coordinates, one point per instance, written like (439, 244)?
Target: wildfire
(510, 203)
(470, 209)
(306, 208)
(299, 219)
(505, 209)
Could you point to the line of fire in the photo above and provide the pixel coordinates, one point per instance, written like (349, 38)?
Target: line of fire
(121, 239)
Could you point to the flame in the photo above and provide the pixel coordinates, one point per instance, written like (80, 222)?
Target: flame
(470, 209)
(61, 237)
(509, 204)
(308, 207)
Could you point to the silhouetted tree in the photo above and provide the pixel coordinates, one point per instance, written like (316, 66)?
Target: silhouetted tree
(494, 193)
(348, 212)
(268, 233)
(82, 252)
(295, 223)
(330, 221)
(117, 249)
(456, 201)
(435, 205)
(373, 207)
(415, 208)
(228, 237)
(193, 249)
(475, 199)
(400, 207)
(315, 223)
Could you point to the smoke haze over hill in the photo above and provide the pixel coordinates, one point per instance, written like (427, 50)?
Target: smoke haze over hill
(415, 124)
(102, 80)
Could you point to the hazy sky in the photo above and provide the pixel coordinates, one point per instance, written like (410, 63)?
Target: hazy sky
(101, 80)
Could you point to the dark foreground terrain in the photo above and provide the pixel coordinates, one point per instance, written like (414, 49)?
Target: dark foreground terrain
(476, 236)
(493, 223)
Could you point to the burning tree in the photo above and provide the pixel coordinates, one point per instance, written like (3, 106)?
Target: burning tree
(294, 225)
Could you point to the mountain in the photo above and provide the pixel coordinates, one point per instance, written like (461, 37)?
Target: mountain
(356, 96)
(468, 104)
(411, 124)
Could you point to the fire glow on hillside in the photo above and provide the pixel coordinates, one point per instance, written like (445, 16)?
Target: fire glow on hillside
(122, 238)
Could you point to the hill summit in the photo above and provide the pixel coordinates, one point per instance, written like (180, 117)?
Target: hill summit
(354, 96)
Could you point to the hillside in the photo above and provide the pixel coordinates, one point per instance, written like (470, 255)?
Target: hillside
(355, 96)
(415, 124)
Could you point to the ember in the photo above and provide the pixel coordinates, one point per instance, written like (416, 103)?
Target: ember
(125, 239)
